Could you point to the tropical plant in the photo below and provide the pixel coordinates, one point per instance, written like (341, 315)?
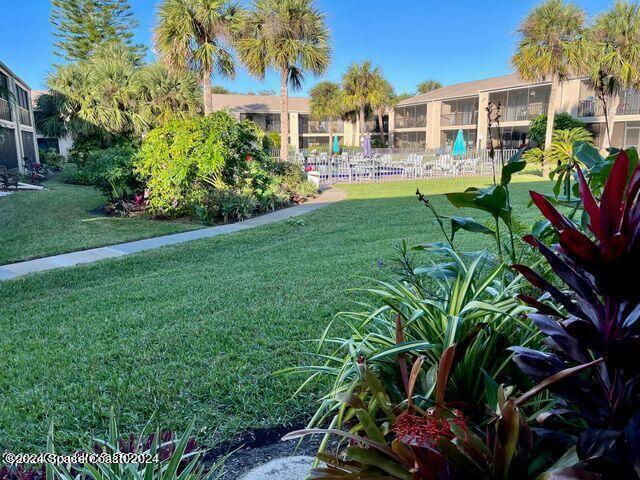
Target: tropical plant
(82, 26)
(194, 35)
(386, 100)
(325, 103)
(217, 89)
(423, 313)
(494, 200)
(599, 319)
(112, 172)
(613, 62)
(289, 36)
(538, 127)
(561, 154)
(362, 90)
(428, 85)
(550, 48)
(161, 456)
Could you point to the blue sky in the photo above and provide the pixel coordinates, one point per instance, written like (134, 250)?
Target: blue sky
(410, 40)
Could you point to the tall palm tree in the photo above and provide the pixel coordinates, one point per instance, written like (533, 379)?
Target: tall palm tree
(386, 99)
(289, 36)
(326, 104)
(549, 49)
(195, 35)
(614, 60)
(362, 90)
(428, 85)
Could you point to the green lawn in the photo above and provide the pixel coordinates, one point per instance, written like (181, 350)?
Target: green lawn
(196, 330)
(62, 219)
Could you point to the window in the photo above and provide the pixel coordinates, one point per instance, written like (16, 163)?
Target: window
(522, 104)
(272, 122)
(448, 138)
(321, 143)
(28, 147)
(22, 99)
(512, 137)
(460, 112)
(48, 144)
(8, 151)
(5, 110)
(410, 140)
(414, 116)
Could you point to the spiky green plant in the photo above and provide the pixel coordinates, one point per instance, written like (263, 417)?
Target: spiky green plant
(195, 35)
(549, 48)
(290, 37)
(428, 86)
(363, 89)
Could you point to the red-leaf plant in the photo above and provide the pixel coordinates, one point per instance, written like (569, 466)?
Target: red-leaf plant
(602, 304)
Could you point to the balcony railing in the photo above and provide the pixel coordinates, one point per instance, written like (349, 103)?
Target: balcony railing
(523, 113)
(25, 116)
(460, 118)
(411, 122)
(5, 110)
(629, 105)
(314, 126)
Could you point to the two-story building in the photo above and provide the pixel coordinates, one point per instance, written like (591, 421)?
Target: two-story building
(18, 145)
(304, 132)
(432, 120)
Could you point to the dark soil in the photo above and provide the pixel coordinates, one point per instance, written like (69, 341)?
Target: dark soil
(259, 446)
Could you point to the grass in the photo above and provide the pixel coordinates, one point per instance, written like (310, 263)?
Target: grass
(197, 330)
(62, 219)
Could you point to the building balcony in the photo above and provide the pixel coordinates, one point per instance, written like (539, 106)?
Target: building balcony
(25, 116)
(629, 105)
(523, 113)
(314, 126)
(411, 122)
(5, 110)
(459, 118)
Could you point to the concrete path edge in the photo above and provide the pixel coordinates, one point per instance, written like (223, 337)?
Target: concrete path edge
(14, 270)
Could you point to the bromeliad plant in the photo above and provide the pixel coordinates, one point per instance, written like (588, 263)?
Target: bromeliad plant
(600, 318)
(424, 314)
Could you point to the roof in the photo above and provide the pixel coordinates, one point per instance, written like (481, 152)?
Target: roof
(12, 73)
(468, 89)
(257, 103)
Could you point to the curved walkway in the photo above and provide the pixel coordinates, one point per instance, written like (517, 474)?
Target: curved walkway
(14, 270)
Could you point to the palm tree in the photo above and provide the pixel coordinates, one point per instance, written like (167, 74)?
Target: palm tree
(194, 35)
(325, 104)
(289, 36)
(386, 99)
(428, 85)
(614, 60)
(362, 90)
(549, 48)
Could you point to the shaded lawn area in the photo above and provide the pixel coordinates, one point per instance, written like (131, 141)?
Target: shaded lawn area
(63, 218)
(197, 330)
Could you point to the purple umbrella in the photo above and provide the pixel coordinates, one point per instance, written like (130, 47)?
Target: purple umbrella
(366, 146)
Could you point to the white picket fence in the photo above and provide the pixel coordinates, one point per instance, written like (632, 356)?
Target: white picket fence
(390, 165)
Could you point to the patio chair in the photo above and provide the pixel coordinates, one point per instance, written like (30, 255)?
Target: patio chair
(8, 178)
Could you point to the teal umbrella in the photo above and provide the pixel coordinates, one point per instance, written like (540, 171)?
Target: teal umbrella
(336, 145)
(459, 146)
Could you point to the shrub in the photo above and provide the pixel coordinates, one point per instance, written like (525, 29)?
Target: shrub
(562, 121)
(112, 172)
(52, 160)
(184, 161)
(271, 141)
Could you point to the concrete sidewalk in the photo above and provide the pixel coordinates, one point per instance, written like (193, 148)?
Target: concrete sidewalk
(14, 270)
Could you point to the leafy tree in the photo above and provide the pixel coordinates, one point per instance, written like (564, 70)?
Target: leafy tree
(562, 121)
(428, 85)
(84, 25)
(549, 48)
(194, 35)
(362, 89)
(387, 99)
(326, 104)
(112, 96)
(404, 96)
(614, 60)
(289, 36)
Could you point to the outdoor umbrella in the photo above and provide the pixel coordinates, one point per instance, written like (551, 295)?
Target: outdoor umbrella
(460, 146)
(366, 146)
(336, 145)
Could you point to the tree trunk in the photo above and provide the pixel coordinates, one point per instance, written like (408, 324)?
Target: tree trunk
(330, 139)
(208, 101)
(551, 116)
(363, 127)
(284, 116)
(612, 110)
(381, 123)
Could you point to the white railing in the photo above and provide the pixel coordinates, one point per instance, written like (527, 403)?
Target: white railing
(393, 166)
